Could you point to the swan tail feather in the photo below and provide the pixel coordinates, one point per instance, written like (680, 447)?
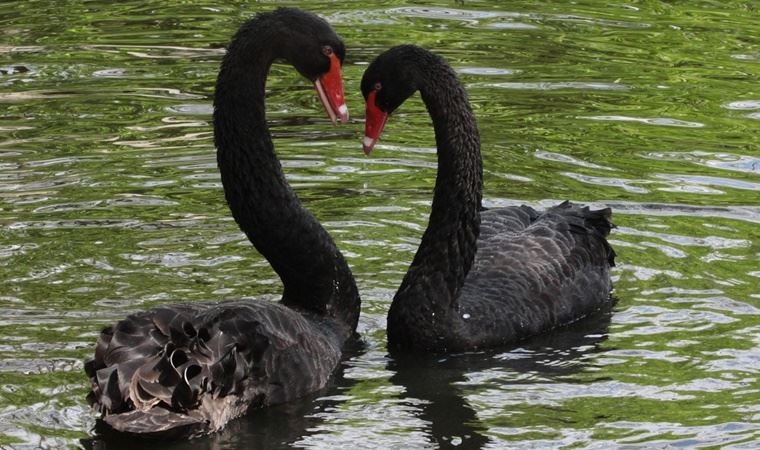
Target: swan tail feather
(601, 221)
(598, 221)
(170, 370)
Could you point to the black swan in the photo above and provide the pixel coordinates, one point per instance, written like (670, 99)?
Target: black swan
(185, 370)
(481, 278)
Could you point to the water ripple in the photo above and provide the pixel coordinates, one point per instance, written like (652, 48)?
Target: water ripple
(157, 51)
(743, 105)
(714, 242)
(81, 223)
(718, 160)
(627, 185)
(389, 161)
(703, 180)
(556, 394)
(45, 365)
(448, 13)
(642, 435)
(195, 109)
(552, 85)
(22, 96)
(567, 159)
(662, 121)
(731, 360)
(486, 71)
(658, 320)
(181, 259)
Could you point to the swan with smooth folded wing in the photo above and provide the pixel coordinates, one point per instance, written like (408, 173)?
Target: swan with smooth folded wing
(481, 278)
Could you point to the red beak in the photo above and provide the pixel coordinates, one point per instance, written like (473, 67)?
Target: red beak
(330, 90)
(373, 124)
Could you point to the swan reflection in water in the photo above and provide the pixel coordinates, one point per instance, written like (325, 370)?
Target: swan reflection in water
(441, 381)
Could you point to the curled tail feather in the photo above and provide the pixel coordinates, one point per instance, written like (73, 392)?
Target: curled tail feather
(152, 372)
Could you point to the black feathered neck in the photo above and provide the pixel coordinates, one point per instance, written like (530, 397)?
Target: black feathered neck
(447, 250)
(314, 273)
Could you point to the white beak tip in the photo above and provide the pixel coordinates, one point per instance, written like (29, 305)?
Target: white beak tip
(368, 144)
(343, 113)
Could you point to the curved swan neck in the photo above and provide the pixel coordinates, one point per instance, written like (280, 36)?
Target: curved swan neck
(313, 271)
(449, 244)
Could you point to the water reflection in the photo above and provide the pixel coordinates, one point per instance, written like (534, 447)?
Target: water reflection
(437, 386)
(263, 429)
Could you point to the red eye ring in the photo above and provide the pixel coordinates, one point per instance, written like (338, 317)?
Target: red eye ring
(327, 50)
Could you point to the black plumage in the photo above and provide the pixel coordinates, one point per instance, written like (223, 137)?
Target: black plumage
(482, 278)
(185, 370)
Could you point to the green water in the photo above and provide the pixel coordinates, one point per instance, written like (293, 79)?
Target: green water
(110, 202)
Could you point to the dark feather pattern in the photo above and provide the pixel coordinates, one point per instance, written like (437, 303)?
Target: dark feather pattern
(484, 278)
(196, 366)
(185, 370)
(551, 271)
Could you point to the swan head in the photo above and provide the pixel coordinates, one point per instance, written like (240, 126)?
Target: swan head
(310, 45)
(388, 81)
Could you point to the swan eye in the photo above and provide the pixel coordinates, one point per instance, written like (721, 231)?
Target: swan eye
(327, 50)
(378, 86)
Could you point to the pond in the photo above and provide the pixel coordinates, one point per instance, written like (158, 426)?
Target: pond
(110, 202)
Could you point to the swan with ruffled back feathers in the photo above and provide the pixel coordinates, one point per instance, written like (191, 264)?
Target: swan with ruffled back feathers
(185, 370)
(481, 278)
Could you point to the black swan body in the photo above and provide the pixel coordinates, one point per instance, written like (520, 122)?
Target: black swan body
(185, 370)
(481, 278)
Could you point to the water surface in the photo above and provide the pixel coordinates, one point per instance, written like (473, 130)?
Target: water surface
(110, 202)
